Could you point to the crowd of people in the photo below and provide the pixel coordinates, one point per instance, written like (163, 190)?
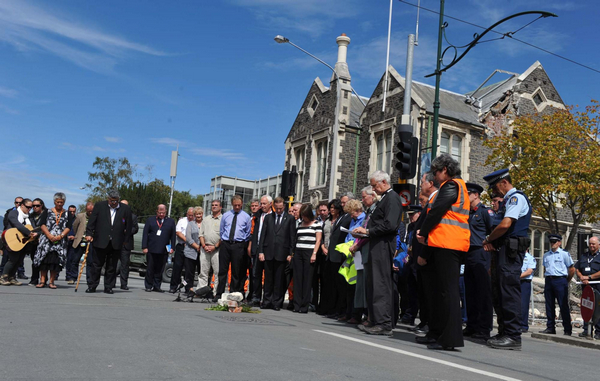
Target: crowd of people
(356, 261)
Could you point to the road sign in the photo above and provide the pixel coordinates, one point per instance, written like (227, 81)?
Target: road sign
(406, 193)
(588, 301)
(405, 196)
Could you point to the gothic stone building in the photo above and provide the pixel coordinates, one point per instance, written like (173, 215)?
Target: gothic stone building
(326, 154)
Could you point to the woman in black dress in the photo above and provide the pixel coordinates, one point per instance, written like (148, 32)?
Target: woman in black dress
(51, 253)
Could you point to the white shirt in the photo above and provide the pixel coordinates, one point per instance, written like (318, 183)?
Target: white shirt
(262, 219)
(113, 213)
(181, 228)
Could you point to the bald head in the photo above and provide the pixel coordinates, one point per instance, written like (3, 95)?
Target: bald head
(594, 245)
(161, 211)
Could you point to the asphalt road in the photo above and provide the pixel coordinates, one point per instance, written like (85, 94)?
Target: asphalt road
(134, 335)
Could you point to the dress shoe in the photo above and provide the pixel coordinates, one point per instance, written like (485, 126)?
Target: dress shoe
(467, 332)
(148, 289)
(352, 321)
(266, 306)
(255, 303)
(303, 311)
(158, 289)
(108, 291)
(407, 320)
(378, 330)
(504, 342)
(480, 336)
(597, 336)
(550, 331)
(425, 340)
(172, 290)
(290, 306)
(90, 290)
(421, 331)
(124, 287)
(276, 308)
(332, 316)
(439, 347)
(22, 276)
(583, 334)
(342, 319)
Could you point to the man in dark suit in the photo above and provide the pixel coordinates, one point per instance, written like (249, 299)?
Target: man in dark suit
(334, 283)
(108, 229)
(126, 251)
(258, 267)
(158, 242)
(275, 250)
(381, 229)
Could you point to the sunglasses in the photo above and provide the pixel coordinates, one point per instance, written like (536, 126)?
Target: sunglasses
(18, 202)
(28, 207)
(37, 206)
(553, 241)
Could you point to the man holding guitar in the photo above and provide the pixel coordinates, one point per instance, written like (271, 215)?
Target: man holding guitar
(19, 219)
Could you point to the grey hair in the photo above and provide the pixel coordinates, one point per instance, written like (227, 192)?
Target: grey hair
(192, 209)
(269, 198)
(59, 196)
(255, 200)
(430, 178)
(446, 161)
(113, 193)
(350, 195)
(368, 190)
(216, 200)
(380, 176)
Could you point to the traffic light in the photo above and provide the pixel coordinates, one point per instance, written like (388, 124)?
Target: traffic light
(406, 157)
(288, 183)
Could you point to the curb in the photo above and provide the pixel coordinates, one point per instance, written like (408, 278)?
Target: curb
(583, 343)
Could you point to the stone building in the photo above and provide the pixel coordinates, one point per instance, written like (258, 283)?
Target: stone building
(317, 144)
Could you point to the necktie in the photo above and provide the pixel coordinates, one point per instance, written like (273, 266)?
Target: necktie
(232, 230)
(278, 219)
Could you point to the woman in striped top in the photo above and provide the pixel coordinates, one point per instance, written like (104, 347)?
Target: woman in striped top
(308, 240)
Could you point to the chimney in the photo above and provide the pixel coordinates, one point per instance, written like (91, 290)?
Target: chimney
(341, 66)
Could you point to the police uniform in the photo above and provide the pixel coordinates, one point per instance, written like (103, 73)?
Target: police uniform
(589, 264)
(529, 262)
(557, 264)
(507, 262)
(478, 288)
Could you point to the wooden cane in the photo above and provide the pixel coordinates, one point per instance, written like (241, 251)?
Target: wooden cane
(82, 266)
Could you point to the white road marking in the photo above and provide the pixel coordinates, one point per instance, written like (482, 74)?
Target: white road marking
(443, 362)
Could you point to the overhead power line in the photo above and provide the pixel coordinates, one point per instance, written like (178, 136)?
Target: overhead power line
(508, 34)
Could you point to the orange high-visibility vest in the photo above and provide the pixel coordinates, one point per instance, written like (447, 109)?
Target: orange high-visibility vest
(453, 230)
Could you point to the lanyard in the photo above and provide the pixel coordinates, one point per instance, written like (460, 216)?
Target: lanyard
(59, 216)
(159, 224)
(591, 259)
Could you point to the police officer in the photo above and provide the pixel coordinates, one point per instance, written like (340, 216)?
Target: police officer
(588, 270)
(508, 243)
(559, 271)
(478, 289)
(529, 264)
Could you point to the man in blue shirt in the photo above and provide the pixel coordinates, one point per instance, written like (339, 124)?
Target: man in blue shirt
(529, 264)
(235, 234)
(559, 271)
(507, 242)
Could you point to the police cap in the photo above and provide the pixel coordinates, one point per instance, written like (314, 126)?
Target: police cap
(472, 187)
(414, 209)
(495, 176)
(555, 237)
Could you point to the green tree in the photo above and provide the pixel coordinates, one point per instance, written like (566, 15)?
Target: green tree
(109, 173)
(556, 162)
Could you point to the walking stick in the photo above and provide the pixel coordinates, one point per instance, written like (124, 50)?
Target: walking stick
(82, 265)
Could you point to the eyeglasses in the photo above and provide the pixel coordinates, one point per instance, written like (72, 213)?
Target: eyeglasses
(37, 206)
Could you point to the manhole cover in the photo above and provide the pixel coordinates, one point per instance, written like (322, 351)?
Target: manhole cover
(245, 319)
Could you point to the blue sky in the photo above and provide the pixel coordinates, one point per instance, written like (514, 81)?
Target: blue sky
(80, 79)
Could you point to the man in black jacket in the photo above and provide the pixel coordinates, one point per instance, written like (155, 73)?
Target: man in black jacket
(274, 249)
(158, 242)
(258, 267)
(108, 229)
(381, 229)
(126, 251)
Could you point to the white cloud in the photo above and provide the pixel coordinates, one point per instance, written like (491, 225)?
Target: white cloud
(169, 142)
(219, 153)
(112, 139)
(8, 93)
(31, 28)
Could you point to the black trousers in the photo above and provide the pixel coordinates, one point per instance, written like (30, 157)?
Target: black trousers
(14, 258)
(110, 256)
(557, 289)
(302, 279)
(124, 269)
(506, 292)
(446, 321)
(425, 282)
(231, 253)
(380, 289)
(258, 267)
(478, 291)
(336, 289)
(190, 271)
(317, 278)
(412, 290)
(178, 259)
(156, 266)
(246, 274)
(275, 283)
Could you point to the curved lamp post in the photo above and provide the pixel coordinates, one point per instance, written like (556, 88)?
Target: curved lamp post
(336, 123)
(440, 57)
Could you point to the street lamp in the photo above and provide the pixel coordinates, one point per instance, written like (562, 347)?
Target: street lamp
(440, 57)
(336, 123)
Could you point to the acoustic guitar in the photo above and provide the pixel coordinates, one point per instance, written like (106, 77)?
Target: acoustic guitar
(15, 240)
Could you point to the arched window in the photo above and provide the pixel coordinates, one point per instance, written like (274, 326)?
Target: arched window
(452, 144)
(321, 162)
(383, 160)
